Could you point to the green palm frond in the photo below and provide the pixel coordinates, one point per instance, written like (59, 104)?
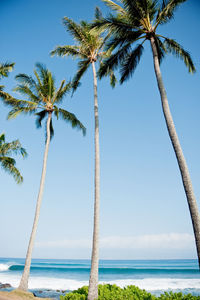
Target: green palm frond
(62, 91)
(113, 79)
(82, 68)
(66, 51)
(74, 29)
(20, 110)
(114, 61)
(25, 79)
(72, 119)
(4, 95)
(166, 12)
(12, 147)
(114, 6)
(5, 68)
(128, 36)
(98, 13)
(26, 91)
(177, 50)
(130, 63)
(8, 164)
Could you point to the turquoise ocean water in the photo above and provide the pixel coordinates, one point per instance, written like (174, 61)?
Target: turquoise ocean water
(155, 276)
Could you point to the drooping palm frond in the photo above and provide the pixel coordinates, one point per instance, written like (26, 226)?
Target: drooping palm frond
(83, 65)
(114, 61)
(177, 50)
(130, 63)
(72, 119)
(8, 163)
(40, 116)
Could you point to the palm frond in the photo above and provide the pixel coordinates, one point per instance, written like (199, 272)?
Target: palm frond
(20, 110)
(5, 68)
(12, 147)
(25, 79)
(114, 6)
(177, 50)
(40, 116)
(166, 12)
(62, 91)
(113, 79)
(4, 95)
(98, 14)
(74, 29)
(72, 119)
(82, 68)
(8, 164)
(66, 51)
(114, 60)
(130, 63)
(26, 91)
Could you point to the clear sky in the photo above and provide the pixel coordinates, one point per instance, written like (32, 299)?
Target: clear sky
(144, 213)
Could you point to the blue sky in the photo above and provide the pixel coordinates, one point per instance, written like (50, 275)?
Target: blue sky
(144, 213)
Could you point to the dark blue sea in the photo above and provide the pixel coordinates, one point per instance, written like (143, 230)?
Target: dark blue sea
(51, 277)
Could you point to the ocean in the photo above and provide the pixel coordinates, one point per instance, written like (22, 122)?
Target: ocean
(52, 277)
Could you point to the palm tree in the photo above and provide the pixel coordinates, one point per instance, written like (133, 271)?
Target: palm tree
(4, 70)
(7, 162)
(89, 49)
(134, 21)
(43, 98)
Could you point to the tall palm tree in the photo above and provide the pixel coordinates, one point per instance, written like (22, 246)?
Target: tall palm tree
(134, 21)
(6, 161)
(5, 68)
(89, 49)
(43, 98)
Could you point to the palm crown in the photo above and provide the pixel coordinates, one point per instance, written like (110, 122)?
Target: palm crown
(43, 98)
(135, 21)
(8, 163)
(89, 48)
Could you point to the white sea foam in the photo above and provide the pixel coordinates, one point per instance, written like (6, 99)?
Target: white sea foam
(150, 284)
(4, 267)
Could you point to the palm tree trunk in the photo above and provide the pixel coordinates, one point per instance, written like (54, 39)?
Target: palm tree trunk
(93, 283)
(25, 276)
(193, 208)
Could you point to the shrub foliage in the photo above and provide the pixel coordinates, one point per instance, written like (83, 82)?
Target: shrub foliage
(113, 292)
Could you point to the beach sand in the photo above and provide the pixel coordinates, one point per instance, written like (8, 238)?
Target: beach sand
(19, 295)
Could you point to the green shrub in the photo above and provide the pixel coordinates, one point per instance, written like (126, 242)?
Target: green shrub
(177, 296)
(114, 292)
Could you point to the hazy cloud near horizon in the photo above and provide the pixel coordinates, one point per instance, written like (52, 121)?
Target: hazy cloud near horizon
(170, 241)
